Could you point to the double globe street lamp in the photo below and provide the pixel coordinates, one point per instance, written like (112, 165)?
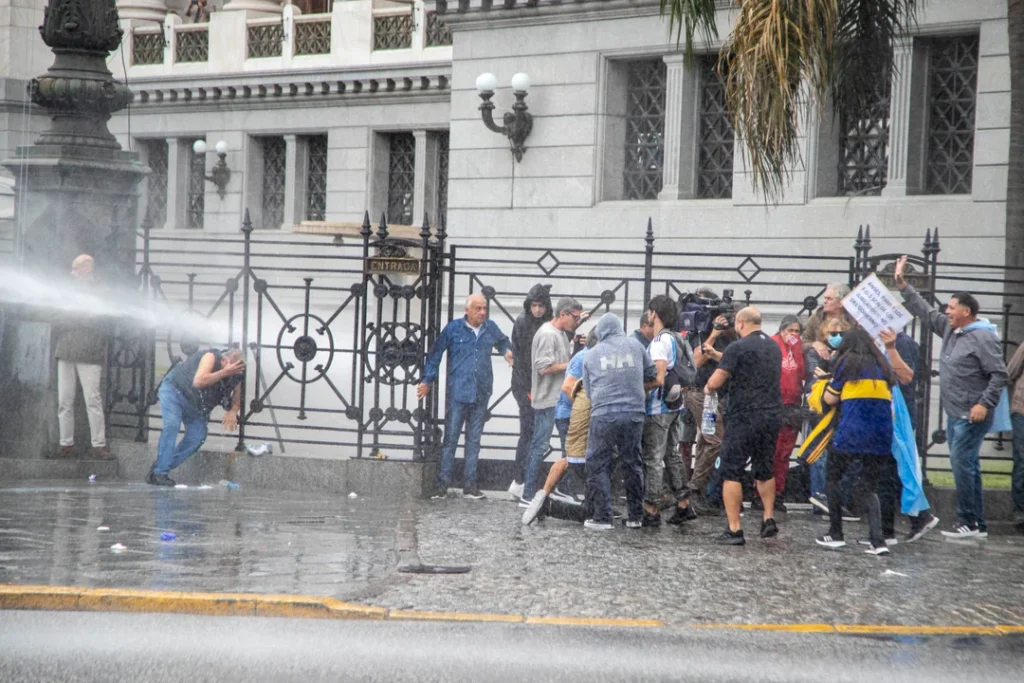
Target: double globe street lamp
(518, 122)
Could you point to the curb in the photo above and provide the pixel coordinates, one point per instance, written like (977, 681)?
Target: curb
(74, 599)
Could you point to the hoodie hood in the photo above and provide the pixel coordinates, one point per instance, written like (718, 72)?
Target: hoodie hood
(608, 326)
(540, 293)
(981, 324)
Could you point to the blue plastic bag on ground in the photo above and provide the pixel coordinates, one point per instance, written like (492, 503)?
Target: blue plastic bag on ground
(904, 449)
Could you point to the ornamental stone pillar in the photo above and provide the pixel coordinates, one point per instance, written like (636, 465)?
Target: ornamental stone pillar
(900, 101)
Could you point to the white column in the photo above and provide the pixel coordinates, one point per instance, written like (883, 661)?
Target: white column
(681, 95)
(294, 181)
(252, 6)
(899, 118)
(142, 10)
(178, 154)
(424, 195)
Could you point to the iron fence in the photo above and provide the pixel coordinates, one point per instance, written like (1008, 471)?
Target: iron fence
(335, 346)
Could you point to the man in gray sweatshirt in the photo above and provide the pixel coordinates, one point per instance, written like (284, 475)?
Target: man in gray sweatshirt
(615, 374)
(971, 378)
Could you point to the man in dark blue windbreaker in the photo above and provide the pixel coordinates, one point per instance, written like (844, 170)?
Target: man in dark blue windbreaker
(468, 341)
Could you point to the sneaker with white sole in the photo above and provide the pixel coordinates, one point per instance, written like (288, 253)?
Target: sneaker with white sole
(594, 525)
(533, 509)
(564, 497)
(879, 550)
(982, 533)
(916, 533)
(473, 493)
(515, 490)
(820, 501)
(961, 530)
(830, 542)
(633, 524)
(888, 542)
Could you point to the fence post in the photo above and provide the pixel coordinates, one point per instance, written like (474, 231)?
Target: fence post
(365, 232)
(148, 370)
(648, 261)
(246, 283)
(929, 253)
(426, 291)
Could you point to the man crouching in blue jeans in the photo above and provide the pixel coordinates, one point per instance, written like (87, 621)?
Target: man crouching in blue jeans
(188, 394)
(614, 376)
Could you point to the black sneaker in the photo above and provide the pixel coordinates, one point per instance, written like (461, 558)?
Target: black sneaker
(730, 537)
(757, 504)
(650, 521)
(831, 542)
(769, 528)
(473, 492)
(780, 506)
(440, 491)
(159, 480)
(681, 515)
(149, 475)
(849, 516)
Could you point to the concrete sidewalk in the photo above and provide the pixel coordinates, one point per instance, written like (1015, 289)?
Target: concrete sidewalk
(262, 543)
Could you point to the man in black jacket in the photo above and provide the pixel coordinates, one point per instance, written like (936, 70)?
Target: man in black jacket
(536, 312)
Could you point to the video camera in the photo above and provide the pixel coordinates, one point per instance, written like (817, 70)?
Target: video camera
(697, 314)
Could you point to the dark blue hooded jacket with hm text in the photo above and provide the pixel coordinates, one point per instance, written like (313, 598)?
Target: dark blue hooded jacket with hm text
(470, 378)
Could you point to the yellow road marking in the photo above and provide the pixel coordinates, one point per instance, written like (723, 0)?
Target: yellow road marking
(71, 598)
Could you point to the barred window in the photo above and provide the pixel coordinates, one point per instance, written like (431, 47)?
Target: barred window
(196, 195)
(401, 177)
(864, 144)
(952, 100)
(273, 181)
(645, 129)
(316, 177)
(442, 178)
(156, 184)
(714, 173)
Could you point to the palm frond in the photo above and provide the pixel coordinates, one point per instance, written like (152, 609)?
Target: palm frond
(687, 17)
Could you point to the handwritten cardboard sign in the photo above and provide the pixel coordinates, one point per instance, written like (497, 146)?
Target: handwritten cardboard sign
(873, 306)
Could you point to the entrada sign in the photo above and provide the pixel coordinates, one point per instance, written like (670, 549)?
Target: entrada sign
(391, 265)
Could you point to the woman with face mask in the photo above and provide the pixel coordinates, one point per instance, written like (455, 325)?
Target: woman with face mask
(816, 365)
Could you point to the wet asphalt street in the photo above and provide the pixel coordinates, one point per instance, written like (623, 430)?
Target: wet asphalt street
(126, 648)
(261, 541)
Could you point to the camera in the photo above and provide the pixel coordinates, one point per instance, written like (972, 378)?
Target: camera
(697, 313)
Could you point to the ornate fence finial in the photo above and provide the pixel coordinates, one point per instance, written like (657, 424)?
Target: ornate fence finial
(366, 229)
(867, 238)
(649, 239)
(246, 224)
(382, 229)
(425, 228)
(927, 241)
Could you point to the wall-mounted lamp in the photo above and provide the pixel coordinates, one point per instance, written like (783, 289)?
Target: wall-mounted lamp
(518, 122)
(220, 175)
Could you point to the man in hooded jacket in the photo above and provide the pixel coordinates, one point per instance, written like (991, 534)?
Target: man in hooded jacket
(536, 312)
(616, 373)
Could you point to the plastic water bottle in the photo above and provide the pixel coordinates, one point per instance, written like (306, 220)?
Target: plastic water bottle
(710, 416)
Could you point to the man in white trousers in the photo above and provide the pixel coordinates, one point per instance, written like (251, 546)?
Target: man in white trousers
(80, 352)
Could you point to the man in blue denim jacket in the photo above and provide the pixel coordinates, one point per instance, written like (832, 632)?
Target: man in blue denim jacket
(468, 341)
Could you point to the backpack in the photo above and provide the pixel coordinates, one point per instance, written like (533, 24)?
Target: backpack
(681, 376)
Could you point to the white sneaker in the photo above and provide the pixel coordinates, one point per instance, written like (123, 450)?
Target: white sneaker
(597, 526)
(633, 524)
(880, 550)
(533, 509)
(564, 497)
(889, 541)
(515, 491)
(830, 542)
(960, 530)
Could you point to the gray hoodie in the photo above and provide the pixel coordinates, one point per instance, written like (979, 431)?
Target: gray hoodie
(615, 370)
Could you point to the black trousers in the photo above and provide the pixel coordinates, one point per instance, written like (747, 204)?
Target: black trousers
(874, 484)
(525, 433)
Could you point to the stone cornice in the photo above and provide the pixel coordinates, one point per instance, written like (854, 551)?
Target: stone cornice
(287, 88)
(469, 14)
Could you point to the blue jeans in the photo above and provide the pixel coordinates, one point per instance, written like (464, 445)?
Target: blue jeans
(543, 423)
(965, 461)
(473, 416)
(1017, 478)
(175, 409)
(622, 432)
